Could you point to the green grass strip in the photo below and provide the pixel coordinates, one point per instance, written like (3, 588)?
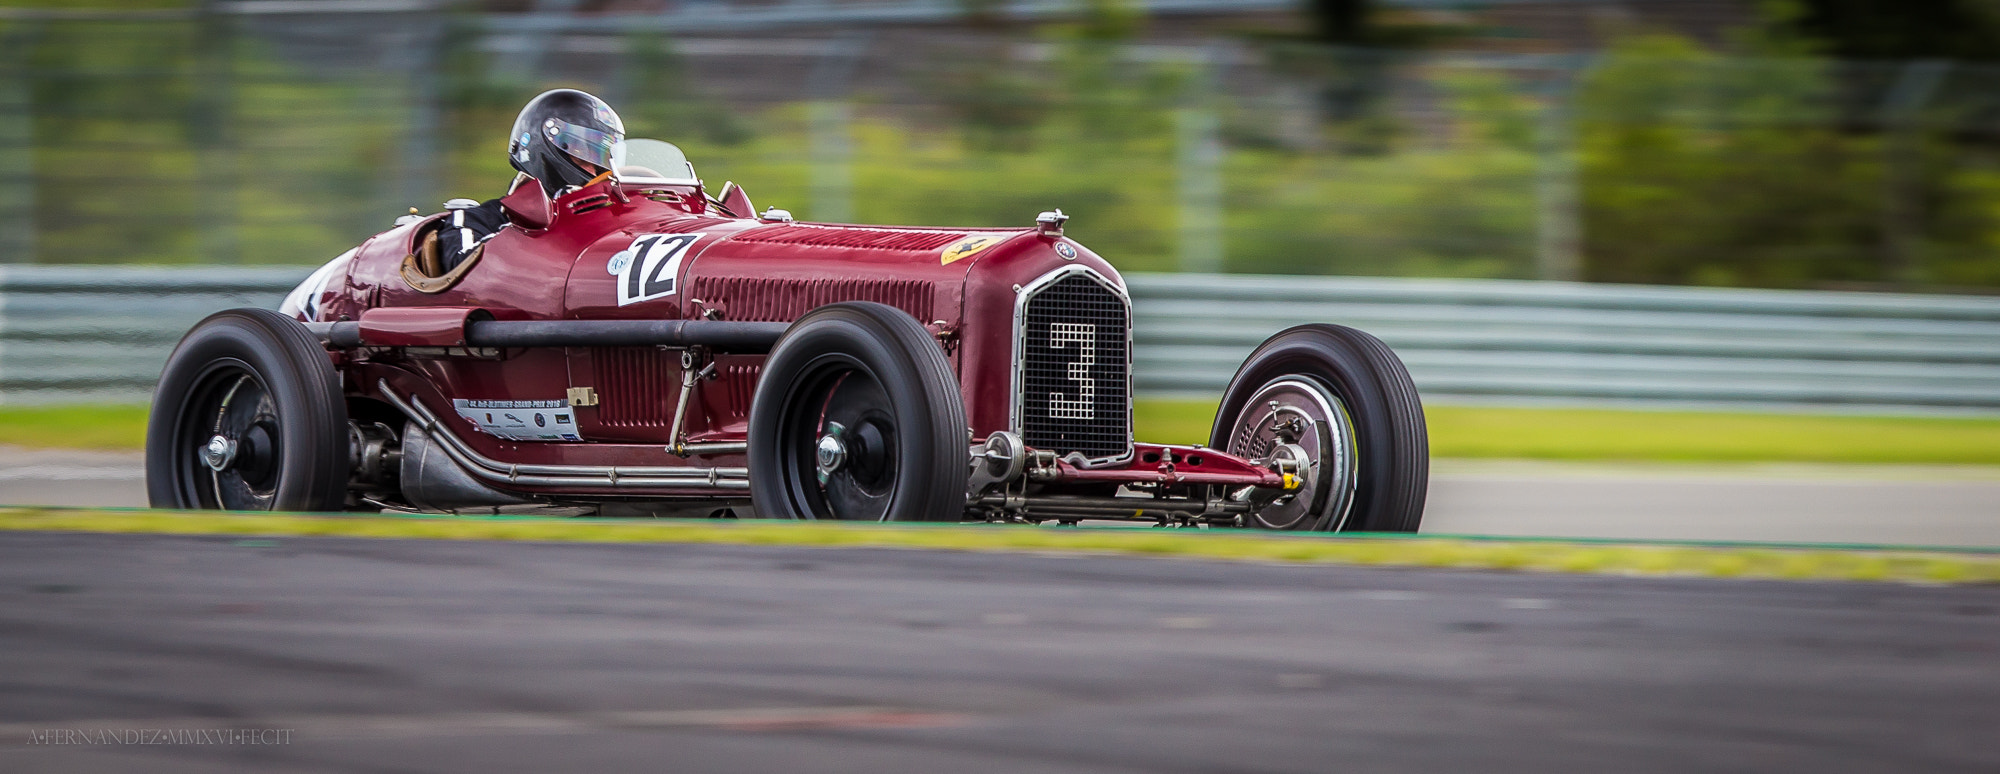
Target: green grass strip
(1717, 561)
(74, 426)
(1496, 432)
(1456, 431)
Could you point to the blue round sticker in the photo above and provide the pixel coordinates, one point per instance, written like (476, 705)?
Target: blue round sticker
(619, 260)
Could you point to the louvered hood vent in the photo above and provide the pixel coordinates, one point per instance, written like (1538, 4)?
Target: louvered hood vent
(910, 239)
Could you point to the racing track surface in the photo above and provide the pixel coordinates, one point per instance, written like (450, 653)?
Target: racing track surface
(392, 656)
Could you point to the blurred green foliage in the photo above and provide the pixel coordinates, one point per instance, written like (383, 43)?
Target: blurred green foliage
(1697, 168)
(157, 142)
(1705, 170)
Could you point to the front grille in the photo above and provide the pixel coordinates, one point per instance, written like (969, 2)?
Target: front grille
(1075, 368)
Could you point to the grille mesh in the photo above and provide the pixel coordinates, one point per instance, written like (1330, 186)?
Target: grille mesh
(1074, 364)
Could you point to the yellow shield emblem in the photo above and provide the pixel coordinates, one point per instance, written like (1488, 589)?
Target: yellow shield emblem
(967, 247)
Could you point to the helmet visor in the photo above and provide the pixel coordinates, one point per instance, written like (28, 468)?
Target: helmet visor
(586, 144)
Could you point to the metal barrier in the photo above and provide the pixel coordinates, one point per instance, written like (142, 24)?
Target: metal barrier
(98, 333)
(91, 334)
(1514, 341)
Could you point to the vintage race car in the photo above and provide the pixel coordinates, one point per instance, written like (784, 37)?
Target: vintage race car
(642, 347)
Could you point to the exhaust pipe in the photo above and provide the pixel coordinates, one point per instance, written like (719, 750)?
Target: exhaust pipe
(432, 481)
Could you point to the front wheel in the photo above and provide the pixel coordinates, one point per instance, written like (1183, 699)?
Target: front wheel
(858, 416)
(1339, 406)
(248, 416)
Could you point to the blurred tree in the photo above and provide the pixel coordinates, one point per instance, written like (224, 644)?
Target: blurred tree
(1907, 106)
(1701, 169)
(662, 102)
(1893, 29)
(1354, 72)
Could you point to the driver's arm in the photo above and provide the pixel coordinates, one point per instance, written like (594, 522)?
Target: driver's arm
(467, 229)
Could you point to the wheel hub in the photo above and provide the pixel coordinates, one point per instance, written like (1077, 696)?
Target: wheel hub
(219, 454)
(1299, 429)
(831, 452)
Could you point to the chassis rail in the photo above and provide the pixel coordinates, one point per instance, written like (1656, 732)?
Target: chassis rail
(720, 335)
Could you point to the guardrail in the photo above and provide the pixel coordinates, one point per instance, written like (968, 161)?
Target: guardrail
(87, 334)
(1516, 341)
(95, 333)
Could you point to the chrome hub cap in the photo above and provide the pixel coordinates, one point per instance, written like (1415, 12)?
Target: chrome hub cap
(1296, 425)
(831, 452)
(219, 454)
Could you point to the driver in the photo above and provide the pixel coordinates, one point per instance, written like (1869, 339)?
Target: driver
(565, 139)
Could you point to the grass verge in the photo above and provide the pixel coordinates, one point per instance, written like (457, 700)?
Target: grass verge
(74, 427)
(1655, 436)
(1456, 431)
(1651, 559)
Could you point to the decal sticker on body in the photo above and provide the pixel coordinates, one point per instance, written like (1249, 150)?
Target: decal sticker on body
(969, 246)
(650, 267)
(521, 420)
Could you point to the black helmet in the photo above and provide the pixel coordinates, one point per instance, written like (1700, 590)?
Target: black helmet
(560, 128)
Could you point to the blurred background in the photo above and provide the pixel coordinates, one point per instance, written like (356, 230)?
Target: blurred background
(1799, 144)
(1783, 206)
(1687, 270)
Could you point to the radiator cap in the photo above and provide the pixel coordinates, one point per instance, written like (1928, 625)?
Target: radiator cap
(1050, 224)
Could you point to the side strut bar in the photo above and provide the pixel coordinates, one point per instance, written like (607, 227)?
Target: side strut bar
(721, 335)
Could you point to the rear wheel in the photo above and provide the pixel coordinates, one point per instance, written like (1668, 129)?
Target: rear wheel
(1339, 405)
(858, 416)
(248, 416)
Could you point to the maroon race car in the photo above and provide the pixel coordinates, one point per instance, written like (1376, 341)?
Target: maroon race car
(641, 347)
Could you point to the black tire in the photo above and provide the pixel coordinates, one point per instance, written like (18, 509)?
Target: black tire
(257, 378)
(1389, 462)
(874, 379)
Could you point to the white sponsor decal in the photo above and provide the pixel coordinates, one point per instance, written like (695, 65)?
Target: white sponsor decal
(521, 420)
(650, 267)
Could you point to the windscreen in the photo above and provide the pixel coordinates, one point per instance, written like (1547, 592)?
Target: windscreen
(651, 161)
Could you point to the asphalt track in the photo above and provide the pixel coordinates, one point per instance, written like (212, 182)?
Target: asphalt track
(413, 655)
(1876, 505)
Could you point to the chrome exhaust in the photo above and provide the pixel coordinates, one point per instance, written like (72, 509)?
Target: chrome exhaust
(560, 476)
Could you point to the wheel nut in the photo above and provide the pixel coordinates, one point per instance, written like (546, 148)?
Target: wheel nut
(219, 453)
(832, 453)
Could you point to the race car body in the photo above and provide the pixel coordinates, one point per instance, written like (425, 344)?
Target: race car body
(640, 346)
